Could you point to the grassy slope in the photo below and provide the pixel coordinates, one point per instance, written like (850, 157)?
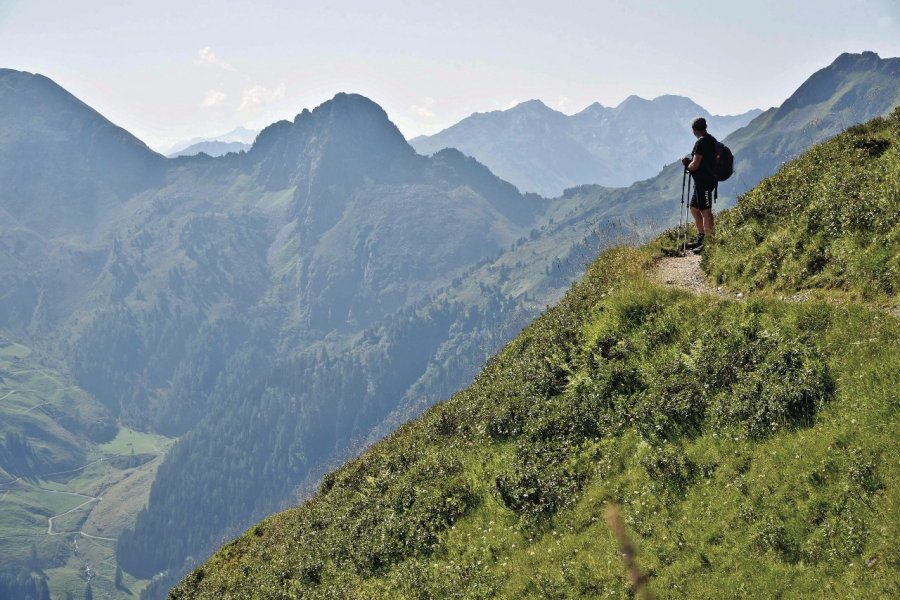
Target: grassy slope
(751, 445)
(826, 221)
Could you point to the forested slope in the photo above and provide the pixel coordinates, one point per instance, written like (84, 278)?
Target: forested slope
(749, 443)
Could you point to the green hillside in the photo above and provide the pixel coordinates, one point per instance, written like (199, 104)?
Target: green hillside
(751, 443)
(827, 221)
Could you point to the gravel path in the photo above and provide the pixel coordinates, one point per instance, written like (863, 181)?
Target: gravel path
(682, 272)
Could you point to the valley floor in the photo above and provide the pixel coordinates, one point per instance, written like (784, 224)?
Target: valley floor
(66, 521)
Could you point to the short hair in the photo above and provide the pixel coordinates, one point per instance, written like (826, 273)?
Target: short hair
(699, 124)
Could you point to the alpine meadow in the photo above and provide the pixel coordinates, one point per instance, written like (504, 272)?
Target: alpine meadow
(366, 353)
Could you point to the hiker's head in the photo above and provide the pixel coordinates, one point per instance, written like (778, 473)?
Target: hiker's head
(698, 126)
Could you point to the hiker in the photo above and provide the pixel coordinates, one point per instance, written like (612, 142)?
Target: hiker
(702, 166)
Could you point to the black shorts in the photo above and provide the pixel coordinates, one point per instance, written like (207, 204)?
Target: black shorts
(705, 201)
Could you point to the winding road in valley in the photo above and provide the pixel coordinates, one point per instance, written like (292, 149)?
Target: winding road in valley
(88, 500)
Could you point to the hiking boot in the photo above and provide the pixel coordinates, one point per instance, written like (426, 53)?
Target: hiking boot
(695, 243)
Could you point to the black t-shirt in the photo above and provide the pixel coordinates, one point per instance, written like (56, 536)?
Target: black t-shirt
(705, 176)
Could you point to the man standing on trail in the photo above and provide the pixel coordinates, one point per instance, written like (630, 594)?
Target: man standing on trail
(702, 167)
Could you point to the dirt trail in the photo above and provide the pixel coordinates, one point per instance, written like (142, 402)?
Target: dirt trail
(684, 272)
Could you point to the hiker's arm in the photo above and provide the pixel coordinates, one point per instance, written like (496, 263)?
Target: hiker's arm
(695, 163)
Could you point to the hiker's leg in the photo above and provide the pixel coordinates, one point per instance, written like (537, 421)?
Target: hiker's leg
(698, 218)
(708, 221)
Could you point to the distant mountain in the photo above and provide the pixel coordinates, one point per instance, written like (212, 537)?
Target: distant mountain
(852, 89)
(239, 134)
(542, 150)
(62, 164)
(211, 148)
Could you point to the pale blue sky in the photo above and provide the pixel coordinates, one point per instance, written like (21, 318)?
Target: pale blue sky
(173, 69)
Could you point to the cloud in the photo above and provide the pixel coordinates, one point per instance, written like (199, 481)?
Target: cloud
(423, 110)
(563, 103)
(207, 58)
(259, 95)
(213, 98)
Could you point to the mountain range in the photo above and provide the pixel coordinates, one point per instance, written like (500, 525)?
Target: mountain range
(212, 149)
(542, 150)
(236, 140)
(277, 310)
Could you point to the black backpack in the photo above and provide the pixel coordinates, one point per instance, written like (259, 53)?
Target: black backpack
(724, 162)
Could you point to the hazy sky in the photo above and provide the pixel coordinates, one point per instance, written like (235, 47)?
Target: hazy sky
(167, 70)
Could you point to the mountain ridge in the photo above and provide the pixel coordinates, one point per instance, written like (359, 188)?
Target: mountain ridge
(543, 150)
(106, 173)
(255, 265)
(211, 148)
(239, 134)
(833, 98)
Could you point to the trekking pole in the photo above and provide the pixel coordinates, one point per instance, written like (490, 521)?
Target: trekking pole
(687, 214)
(682, 215)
